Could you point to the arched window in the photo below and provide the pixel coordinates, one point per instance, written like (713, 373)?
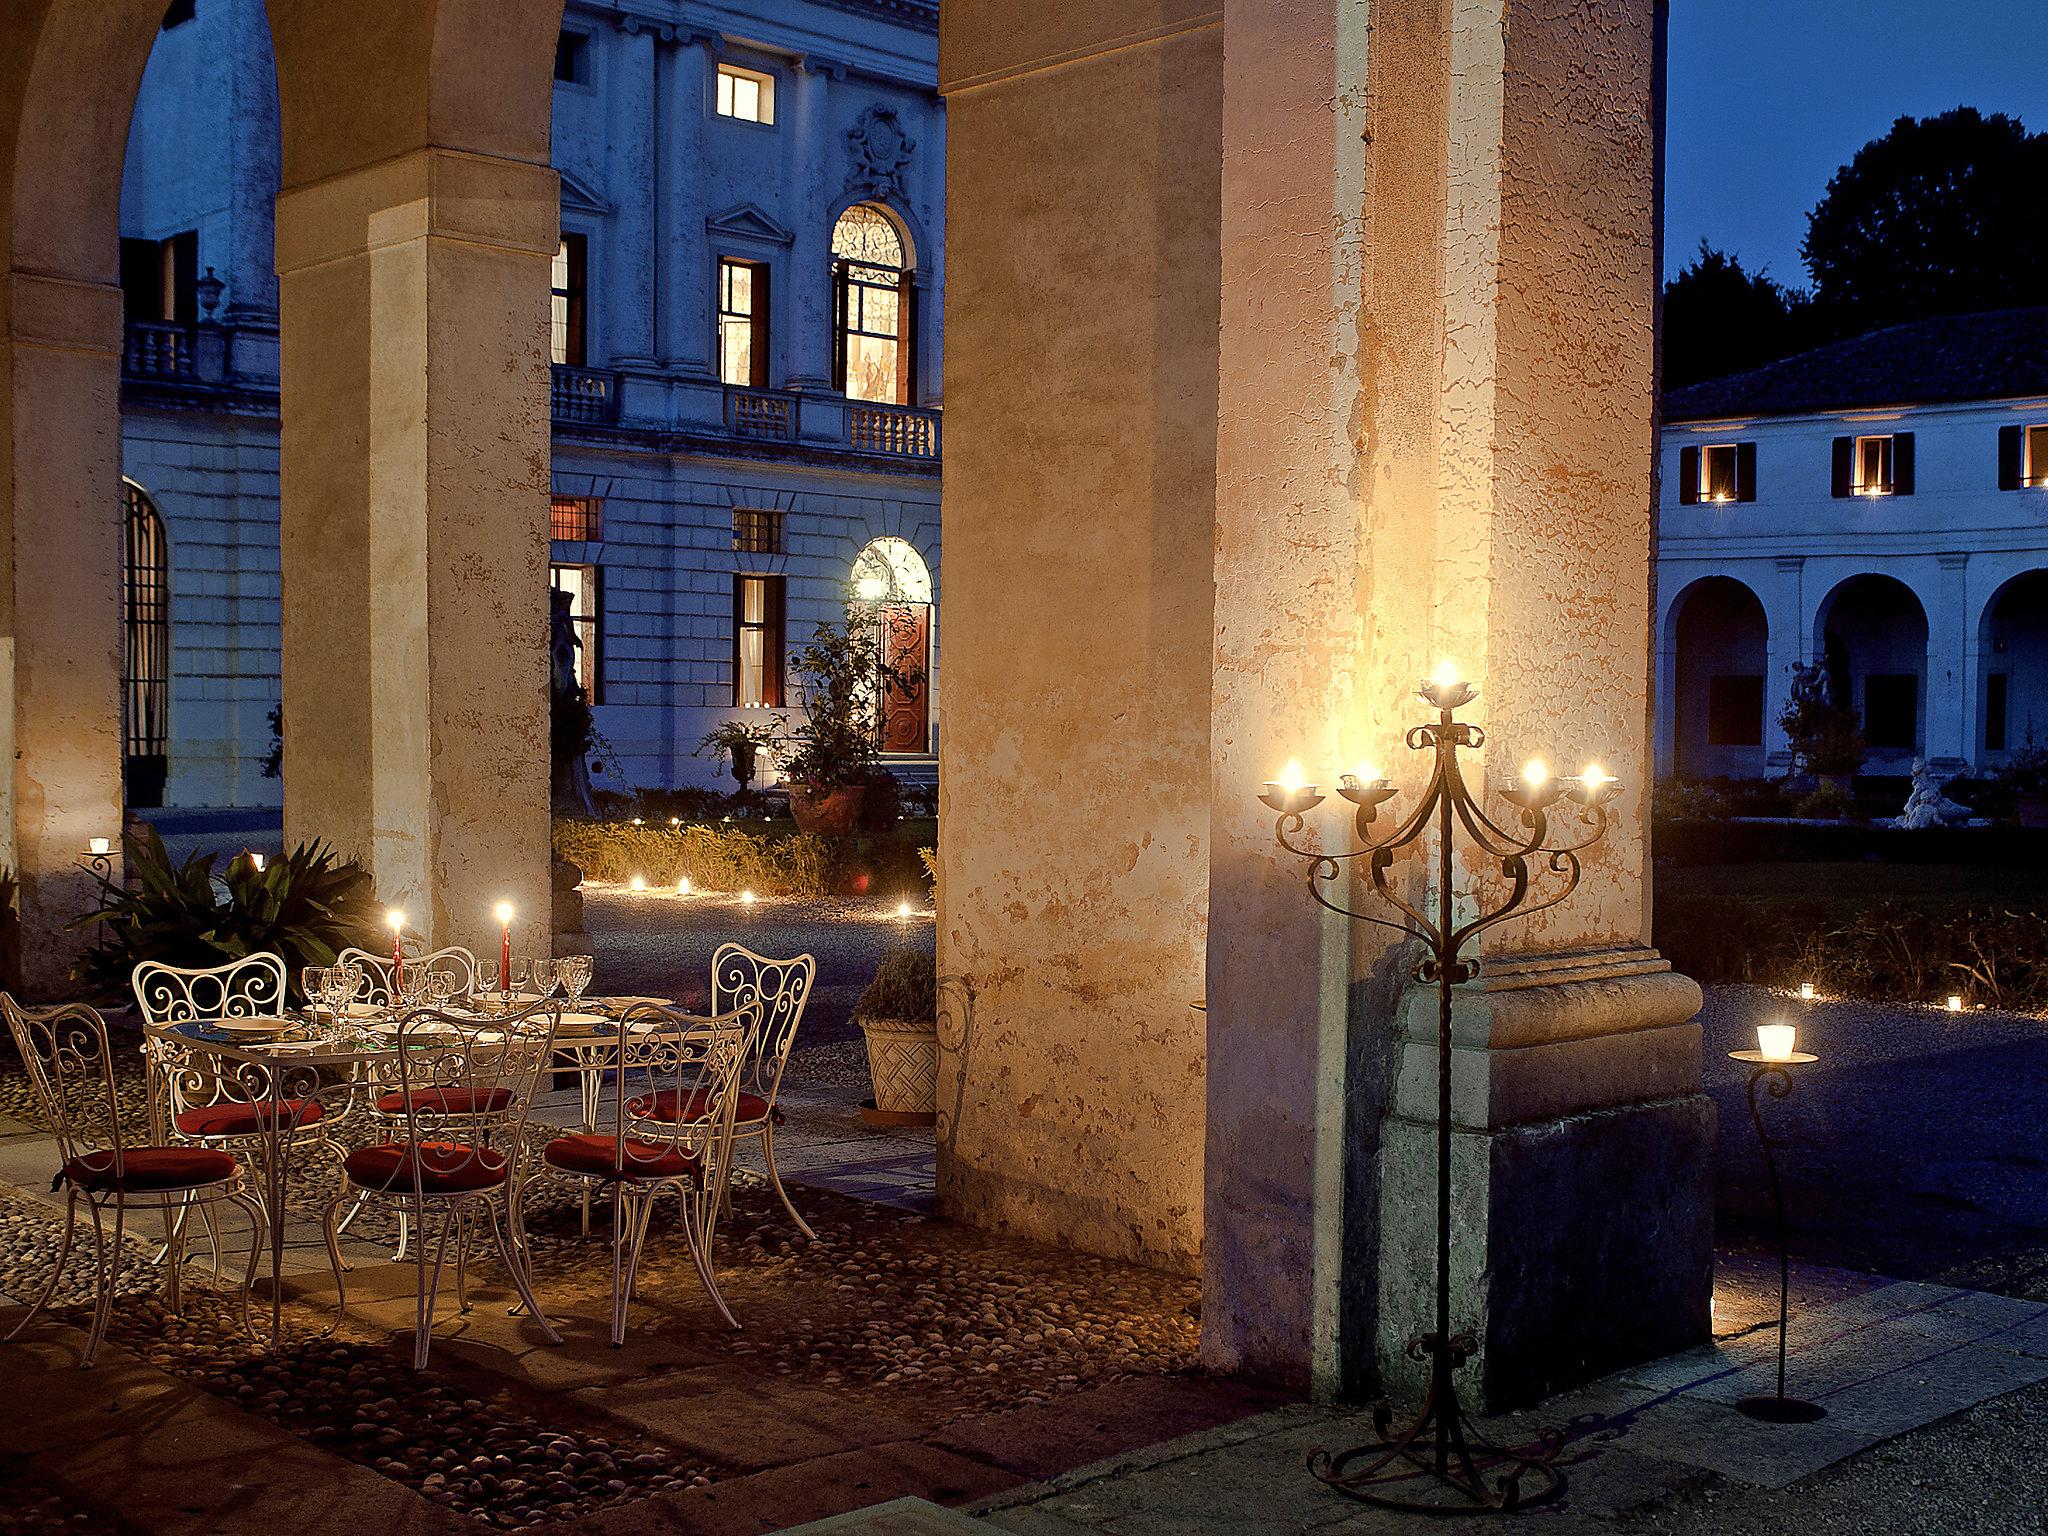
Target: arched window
(145, 648)
(873, 322)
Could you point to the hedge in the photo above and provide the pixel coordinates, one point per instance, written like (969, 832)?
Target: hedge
(1688, 842)
(771, 859)
(1886, 952)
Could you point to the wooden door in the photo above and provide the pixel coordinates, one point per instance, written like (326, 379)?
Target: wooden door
(906, 710)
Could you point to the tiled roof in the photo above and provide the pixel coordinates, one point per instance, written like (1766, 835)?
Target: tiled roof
(2000, 354)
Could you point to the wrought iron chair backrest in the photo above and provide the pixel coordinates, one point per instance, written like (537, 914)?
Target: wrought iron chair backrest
(780, 988)
(250, 988)
(70, 1067)
(689, 1063)
(468, 1084)
(454, 959)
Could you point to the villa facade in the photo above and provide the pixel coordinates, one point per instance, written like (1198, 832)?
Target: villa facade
(1879, 506)
(745, 338)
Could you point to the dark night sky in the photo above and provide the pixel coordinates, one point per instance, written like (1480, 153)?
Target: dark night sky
(1768, 97)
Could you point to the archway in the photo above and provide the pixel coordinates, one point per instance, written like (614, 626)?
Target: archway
(145, 648)
(1873, 640)
(1721, 641)
(890, 574)
(2014, 636)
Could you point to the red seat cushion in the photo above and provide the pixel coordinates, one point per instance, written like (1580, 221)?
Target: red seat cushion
(447, 1101)
(247, 1119)
(696, 1104)
(445, 1167)
(598, 1154)
(151, 1168)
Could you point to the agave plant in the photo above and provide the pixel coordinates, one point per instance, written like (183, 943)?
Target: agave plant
(305, 907)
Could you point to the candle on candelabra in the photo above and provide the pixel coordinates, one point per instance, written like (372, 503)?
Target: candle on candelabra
(99, 847)
(396, 919)
(504, 915)
(1291, 793)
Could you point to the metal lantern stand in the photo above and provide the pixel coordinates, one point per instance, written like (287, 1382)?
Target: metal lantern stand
(1772, 1072)
(1439, 1464)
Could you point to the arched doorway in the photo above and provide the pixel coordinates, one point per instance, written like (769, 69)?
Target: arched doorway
(1873, 641)
(873, 324)
(145, 648)
(1721, 641)
(2014, 635)
(890, 574)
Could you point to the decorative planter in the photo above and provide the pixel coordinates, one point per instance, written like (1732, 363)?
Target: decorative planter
(903, 1063)
(2033, 810)
(826, 812)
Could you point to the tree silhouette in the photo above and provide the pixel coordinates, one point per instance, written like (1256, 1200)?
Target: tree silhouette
(1943, 215)
(1720, 318)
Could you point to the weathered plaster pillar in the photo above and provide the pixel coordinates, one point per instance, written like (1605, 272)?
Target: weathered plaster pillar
(628, 296)
(60, 612)
(414, 540)
(1951, 702)
(1080, 499)
(683, 275)
(807, 357)
(255, 154)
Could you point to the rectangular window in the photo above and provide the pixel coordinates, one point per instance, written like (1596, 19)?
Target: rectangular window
(1874, 466)
(871, 332)
(1735, 711)
(1997, 689)
(572, 58)
(1891, 710)
(2036, 470)
(742, 323)
(585, 589)
(756, 533)
(757, 641)
(579, 518)
(1717, 472)
(159, 279)
(569, 302)
(746, 94)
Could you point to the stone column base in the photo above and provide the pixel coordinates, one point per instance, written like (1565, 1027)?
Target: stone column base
(1582, 1175)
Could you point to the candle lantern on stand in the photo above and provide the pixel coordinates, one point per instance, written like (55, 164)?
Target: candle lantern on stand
(1438, 1463)
(1777, 1052)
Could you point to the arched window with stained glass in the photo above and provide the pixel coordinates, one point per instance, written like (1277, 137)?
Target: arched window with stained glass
(874, 307)
(145, 648)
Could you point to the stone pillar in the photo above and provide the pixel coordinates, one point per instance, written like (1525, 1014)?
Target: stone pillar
(1950, 698)
(1080, 473)
(254, 152)
(683, 274)
(1789, 642)
(60, 607)
(806, 355)
(627, 299)
(414, 538)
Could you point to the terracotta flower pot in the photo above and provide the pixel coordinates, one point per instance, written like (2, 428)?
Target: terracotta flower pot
(826, 812)
(903, 1063)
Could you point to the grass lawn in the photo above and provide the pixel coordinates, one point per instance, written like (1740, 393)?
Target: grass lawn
(1854, 885)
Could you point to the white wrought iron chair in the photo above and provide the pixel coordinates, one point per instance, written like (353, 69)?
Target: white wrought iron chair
(676, 1059)
(776, 990)
(376, 969)
(448, 1163)
(71, 1071)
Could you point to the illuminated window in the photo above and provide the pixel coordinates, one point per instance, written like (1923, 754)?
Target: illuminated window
(1717, 472)
(2036, 470)
(576, 517)
(742, 322)
(1874, 466)
(568, 302)
(757, 641)
(584, 586)
(1878, 464)
(871, 354)
(746, 94)
(756, 533)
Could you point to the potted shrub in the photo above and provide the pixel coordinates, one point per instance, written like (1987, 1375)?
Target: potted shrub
(2025, 778)
(833, 755)
(1826, 738)
(899, 1015)
(742, 742)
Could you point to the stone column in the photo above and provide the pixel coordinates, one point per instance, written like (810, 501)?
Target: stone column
(627, 298)
(414, 539)
(1789, 642)
(254, 153)
(1950, 701)
(683, 274)
(806, 354)
(60, 607)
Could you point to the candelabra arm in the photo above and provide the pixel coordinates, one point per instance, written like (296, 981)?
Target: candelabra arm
(1327, 869)
(1517, 869)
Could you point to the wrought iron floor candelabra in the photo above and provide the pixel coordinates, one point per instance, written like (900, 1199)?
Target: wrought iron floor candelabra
(1439, 1463)
(1772, 1072)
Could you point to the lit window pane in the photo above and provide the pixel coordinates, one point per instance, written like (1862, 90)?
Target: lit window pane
(871, 368)
(724, 94)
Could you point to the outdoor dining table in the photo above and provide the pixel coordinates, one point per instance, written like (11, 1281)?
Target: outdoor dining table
(307, 1056)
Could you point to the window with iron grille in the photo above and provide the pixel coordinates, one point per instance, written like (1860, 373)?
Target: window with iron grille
(145, 649)
(576, 517)
(756, 533)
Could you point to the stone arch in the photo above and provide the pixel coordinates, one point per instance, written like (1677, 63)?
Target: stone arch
(1719, 639)
(1870, 632)
(2012, 632)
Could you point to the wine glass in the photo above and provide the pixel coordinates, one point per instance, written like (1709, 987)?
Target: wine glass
(522, 972)
(573, 972)
(441, 987)
(313, 983)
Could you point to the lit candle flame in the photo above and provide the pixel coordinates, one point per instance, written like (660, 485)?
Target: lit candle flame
(903, 909)
(1595, 776)
(1291, 777)
(1775, 1042)
(503, 912)
(99, 847)
(1955, 1002)
(682, 885)
(1535, 773)
(396, 919)
(747, 898)
(639, 882)
(1446, 674)
(1368, 772)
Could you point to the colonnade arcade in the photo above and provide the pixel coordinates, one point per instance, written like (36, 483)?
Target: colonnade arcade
(1257, 522)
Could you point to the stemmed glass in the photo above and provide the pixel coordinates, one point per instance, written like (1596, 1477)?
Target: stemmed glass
(573, 972)
(313, 983)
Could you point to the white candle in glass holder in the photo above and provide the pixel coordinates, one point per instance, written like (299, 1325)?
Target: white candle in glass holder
(1806, 990)
(1955, 1002)
(1774, 1042)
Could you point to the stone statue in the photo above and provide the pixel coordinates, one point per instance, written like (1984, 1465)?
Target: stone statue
(568, 715)
(1927, 806)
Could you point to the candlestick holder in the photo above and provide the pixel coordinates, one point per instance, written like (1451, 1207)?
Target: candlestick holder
(1439, 1463)
(1773, 1074)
